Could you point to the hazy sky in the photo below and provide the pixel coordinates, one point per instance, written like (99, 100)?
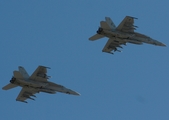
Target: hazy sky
(131, 85)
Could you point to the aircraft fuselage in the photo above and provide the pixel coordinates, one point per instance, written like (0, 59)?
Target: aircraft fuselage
(135, 38)
(47, 87)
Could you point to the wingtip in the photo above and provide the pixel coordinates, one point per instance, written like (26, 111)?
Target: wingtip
(132, 17)
(107, 18)
(21, 101)
(90, 39)
(44, 66)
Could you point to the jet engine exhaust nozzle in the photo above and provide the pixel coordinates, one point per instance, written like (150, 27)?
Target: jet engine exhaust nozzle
(99, 30)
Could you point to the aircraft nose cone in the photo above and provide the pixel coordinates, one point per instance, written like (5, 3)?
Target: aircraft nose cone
(73, 92)
(159, 43)
(163, 45)
(77, 93)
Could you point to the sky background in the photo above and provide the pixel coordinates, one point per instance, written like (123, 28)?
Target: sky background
(131, 85)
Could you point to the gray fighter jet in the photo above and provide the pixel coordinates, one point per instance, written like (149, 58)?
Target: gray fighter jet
(37, 82)
(121, 35)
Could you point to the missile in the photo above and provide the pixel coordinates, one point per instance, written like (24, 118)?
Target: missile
(135, 26)
(118, 50)
(26, 96)
(28, 93)
(31, 98)
(33, 95)
(24, 101)
(120, 46)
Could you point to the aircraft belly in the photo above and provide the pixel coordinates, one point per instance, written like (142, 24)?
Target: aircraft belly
(47, 90)
(56, 88)
(134, 41)
(29, 83)
(120, 35)
(146, 40)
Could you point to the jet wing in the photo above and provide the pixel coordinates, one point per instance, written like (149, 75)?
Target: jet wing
(40, 74)
(127, 25)
(112, 44)
(26, 93)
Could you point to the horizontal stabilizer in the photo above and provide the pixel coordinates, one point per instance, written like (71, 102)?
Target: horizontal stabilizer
(9, 86)
(95, 37)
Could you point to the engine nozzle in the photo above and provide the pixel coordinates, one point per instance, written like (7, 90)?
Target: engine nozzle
(99, 30)
(12, 80)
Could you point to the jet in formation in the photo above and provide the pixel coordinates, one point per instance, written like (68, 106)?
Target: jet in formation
(122, 34)
(37, 82)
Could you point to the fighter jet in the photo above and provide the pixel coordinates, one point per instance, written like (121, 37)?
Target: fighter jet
(122, 34)
(37, 82)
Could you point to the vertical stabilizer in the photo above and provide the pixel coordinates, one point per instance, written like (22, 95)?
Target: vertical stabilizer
(17, 75)
(105, 25)
(110, 23)
(23, 72)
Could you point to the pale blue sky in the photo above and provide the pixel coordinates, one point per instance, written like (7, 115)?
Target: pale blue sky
(131, 85)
